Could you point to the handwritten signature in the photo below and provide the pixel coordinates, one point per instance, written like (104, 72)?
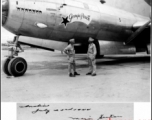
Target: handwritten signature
(46, 111)
(101, 117)
(111, 116)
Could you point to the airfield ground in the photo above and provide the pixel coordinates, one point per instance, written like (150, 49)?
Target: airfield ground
(120, 78)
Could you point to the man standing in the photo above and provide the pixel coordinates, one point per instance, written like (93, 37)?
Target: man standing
(92, 51)
(70, 52)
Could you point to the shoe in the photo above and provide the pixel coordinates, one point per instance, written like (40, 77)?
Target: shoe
(75, 73)
(89, 73)
(94, 74)
(71, 75)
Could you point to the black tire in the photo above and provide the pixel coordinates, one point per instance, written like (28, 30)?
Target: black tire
(17, 66)
(5, 66)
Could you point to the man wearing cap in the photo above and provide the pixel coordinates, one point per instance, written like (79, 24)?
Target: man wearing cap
(91, 57)
(70, 52)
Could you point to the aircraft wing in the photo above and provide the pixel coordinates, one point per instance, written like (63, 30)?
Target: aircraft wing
(142, 28)
(141, 23)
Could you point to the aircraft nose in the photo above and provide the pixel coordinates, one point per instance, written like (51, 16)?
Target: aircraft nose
(5, 10)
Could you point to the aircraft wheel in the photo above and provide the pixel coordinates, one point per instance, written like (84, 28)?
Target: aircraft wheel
(5, 66)
(17, 66)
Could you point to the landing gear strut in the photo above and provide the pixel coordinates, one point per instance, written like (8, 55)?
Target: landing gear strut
(14, 65)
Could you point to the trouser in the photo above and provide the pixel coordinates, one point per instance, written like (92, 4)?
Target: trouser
(71, 65)
(92, 64)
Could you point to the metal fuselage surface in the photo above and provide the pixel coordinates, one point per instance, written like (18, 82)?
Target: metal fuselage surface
(65, 19)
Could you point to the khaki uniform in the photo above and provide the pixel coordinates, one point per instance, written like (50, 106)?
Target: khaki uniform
(70, 51)
(91, 58)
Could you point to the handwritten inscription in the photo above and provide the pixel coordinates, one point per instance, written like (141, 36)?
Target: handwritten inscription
(72, 109)
(39, 105)
(46, 111)
(43, 108)
(111, 116)
(81, 118)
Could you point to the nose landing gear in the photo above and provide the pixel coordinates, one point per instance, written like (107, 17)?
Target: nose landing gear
(14, 65)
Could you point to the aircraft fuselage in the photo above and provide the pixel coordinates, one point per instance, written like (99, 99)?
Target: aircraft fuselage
(64, 19)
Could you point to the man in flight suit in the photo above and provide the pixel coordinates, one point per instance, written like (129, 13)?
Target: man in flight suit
(92, 51)
(70, 52)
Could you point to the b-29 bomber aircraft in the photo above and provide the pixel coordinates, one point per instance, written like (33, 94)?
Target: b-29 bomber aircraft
(49, 24)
